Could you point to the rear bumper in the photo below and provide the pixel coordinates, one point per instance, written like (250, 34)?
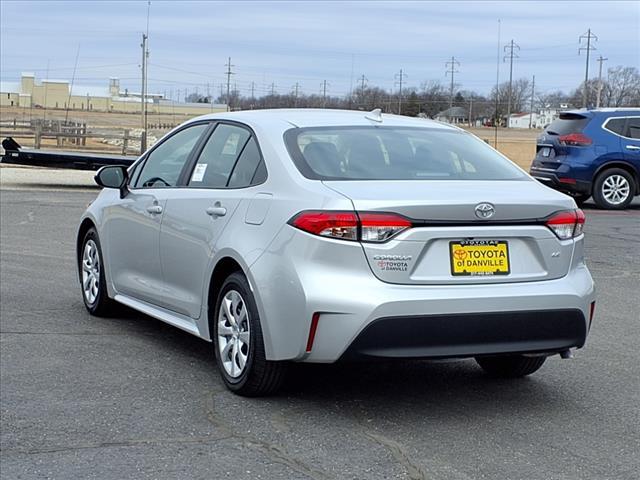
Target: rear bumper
(470, 334)
(560, 182)
(300, 278)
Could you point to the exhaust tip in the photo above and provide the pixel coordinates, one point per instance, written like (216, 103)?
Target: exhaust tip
(565, 354)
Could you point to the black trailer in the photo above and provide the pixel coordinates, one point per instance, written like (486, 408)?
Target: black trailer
(17, 155)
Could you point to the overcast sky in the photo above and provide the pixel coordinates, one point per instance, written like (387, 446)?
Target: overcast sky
(308, 42)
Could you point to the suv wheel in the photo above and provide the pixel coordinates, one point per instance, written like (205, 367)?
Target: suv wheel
(580, 198)
(614, 189)
(238, 342)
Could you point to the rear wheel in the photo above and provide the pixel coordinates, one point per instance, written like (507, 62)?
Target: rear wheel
(510, 366)
(614, 189)
(580, 198)
(238, 342)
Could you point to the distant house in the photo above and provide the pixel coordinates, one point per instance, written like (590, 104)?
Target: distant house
(453, 115)
(548, 114)
(523, 120)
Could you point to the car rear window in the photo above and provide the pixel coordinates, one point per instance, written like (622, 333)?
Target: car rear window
(395, 153)
(567, 123)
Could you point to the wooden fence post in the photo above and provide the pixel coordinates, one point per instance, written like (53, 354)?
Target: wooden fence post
(125, 142)
(38, 136)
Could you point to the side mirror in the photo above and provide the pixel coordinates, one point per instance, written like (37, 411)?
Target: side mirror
(115, 176)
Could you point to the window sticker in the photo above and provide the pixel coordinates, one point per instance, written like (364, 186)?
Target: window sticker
(198, 172)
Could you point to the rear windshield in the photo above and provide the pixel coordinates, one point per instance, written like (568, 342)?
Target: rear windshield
(567, 123)
(394, 153)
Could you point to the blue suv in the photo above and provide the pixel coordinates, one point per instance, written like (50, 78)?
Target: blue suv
(595, 153)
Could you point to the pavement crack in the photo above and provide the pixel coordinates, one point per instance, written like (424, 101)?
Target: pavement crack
(116, 444)
(277, 453)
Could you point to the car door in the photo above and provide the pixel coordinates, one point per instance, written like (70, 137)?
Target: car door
(221, 177)
(133, 224)
(631, 142)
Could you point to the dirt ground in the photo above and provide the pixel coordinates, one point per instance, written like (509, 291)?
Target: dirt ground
(517, 144)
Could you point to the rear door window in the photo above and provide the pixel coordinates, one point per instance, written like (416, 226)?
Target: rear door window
(634, 127)
(218, 157)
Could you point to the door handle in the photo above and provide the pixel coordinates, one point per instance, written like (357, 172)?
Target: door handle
(154, 209)
(632, 147)
(216, 211)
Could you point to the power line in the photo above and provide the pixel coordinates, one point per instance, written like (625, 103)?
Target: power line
(451, 70)
(512, 47)
(588, 37)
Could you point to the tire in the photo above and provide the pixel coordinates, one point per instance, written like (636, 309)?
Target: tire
(609, 185)
(91, 274)
(510, 366)
(580, 198)
(244, 368)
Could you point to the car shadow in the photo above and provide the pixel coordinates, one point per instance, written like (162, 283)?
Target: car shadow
(372, 386)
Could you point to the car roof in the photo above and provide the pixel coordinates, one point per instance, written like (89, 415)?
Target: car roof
(310, 117)
(592, 112)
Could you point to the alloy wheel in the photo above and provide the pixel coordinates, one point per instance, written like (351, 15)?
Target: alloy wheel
(90, 272)
(616, 189)
(233, 333)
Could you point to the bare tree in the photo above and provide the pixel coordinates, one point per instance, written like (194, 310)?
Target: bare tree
(622, 88)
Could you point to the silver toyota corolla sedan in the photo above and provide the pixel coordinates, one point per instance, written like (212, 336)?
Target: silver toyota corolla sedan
(324, 235)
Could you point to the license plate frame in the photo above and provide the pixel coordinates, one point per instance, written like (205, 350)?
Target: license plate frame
(483, 264)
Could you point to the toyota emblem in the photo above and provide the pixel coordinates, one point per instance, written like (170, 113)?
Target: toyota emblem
(485, 211)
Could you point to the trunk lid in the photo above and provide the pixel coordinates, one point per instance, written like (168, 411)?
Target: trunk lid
(443, 213)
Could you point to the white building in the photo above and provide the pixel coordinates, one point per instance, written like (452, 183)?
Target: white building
(523, 120)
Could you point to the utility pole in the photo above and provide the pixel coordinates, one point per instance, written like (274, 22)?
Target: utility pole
(273, 88)
(470, 109)
(400, 76)
(253, 91)
(229, 73)
(295, 94)
(600, 60)
(512, 47)
(324, 93)
(143, 95)
(363, 81)
(145, 59)
(451, 70)
(588, 37)
(533, 92)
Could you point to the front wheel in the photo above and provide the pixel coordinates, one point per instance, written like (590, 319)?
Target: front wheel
(238, 342)
(92, 277)
(510, 366)
(614, 189)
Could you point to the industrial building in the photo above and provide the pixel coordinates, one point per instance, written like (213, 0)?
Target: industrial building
(51, 94)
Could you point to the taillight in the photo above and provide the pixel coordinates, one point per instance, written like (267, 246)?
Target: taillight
(364, 226)
(379, 227)
(575, 140)
(343, 225)
(567, 224)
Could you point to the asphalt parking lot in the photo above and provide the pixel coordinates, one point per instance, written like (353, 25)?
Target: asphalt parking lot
(130, 397)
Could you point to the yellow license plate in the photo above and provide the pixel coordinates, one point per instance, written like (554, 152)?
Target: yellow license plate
(479, 257)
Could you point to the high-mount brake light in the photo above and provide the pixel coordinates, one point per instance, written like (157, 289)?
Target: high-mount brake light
(567, 224)
(365, 226)
(575, 140)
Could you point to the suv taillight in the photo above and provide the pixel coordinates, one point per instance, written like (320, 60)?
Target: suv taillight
(575, 140)
(359, 226)
(567, 224)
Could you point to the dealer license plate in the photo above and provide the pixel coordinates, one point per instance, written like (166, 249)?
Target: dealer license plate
(479, 257)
